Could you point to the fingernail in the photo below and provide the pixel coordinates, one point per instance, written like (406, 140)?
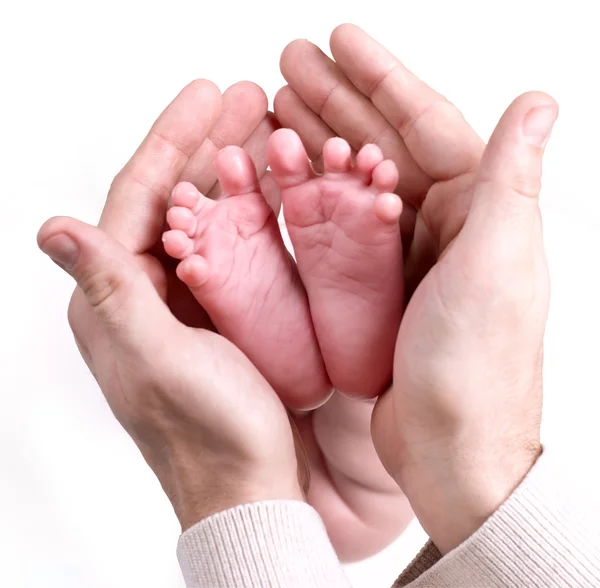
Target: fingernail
(62, 250)
(538, 122)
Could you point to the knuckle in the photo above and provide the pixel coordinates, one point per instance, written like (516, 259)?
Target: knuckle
(103, 289)
(78, 316)
(524, 185)
(516, 179)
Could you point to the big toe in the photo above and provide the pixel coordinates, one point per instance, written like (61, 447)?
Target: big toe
(288, 159)
(236, 171)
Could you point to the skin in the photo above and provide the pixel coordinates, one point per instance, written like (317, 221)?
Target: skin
(136, 325)
(183, 414)
(442, 439)
(182, 146)
(434, 423)
(343, 226)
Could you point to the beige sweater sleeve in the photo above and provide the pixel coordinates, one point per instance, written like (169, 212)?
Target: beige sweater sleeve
(544, 536)
(265, 544)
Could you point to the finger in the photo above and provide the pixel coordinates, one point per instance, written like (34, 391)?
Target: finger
(422, 255)
(509, 179)
(244, 108)
(137, 201)
(256, 147)
(114, 285)
(408, 219)
(323, 87)
(292, 113)
(436, 134)
(445, 209)
(270, 189)
(256, 144)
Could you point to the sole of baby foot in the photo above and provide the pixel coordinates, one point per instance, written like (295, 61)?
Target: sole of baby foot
(344, 227)
(236, 265)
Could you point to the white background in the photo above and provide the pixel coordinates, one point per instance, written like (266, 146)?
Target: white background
(80, 84)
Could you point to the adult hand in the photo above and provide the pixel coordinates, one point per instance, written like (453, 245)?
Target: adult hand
(181, 146)
(324, 99)
(461, 426)
(192, 402)
(189, 399)
(367, 95)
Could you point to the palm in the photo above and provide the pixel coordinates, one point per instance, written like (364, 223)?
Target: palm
(177, 295)
(404, 417)
(181, 146)
(367, 95)
(483, 284)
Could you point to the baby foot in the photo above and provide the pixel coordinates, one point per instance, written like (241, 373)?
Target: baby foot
(346, 237)
(236, 265)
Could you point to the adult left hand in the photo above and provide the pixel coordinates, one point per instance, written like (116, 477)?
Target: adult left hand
(181, 146)
(191, 401)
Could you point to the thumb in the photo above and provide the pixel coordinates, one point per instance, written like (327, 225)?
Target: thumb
(509, 177)
(120, 293)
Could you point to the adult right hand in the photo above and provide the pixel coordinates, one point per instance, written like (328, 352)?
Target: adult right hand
(461, 427)
(367, 96)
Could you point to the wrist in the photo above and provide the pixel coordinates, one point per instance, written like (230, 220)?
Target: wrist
(196, 500)
(192, 507)
(199, 488)
(454, 496)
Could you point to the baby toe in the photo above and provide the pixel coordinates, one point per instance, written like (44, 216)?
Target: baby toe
(337, 156)
(182, 219)
(388, 208)
(368, 158)
(177, 244)
(193, 271)
(186, 195)
(385, 176)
